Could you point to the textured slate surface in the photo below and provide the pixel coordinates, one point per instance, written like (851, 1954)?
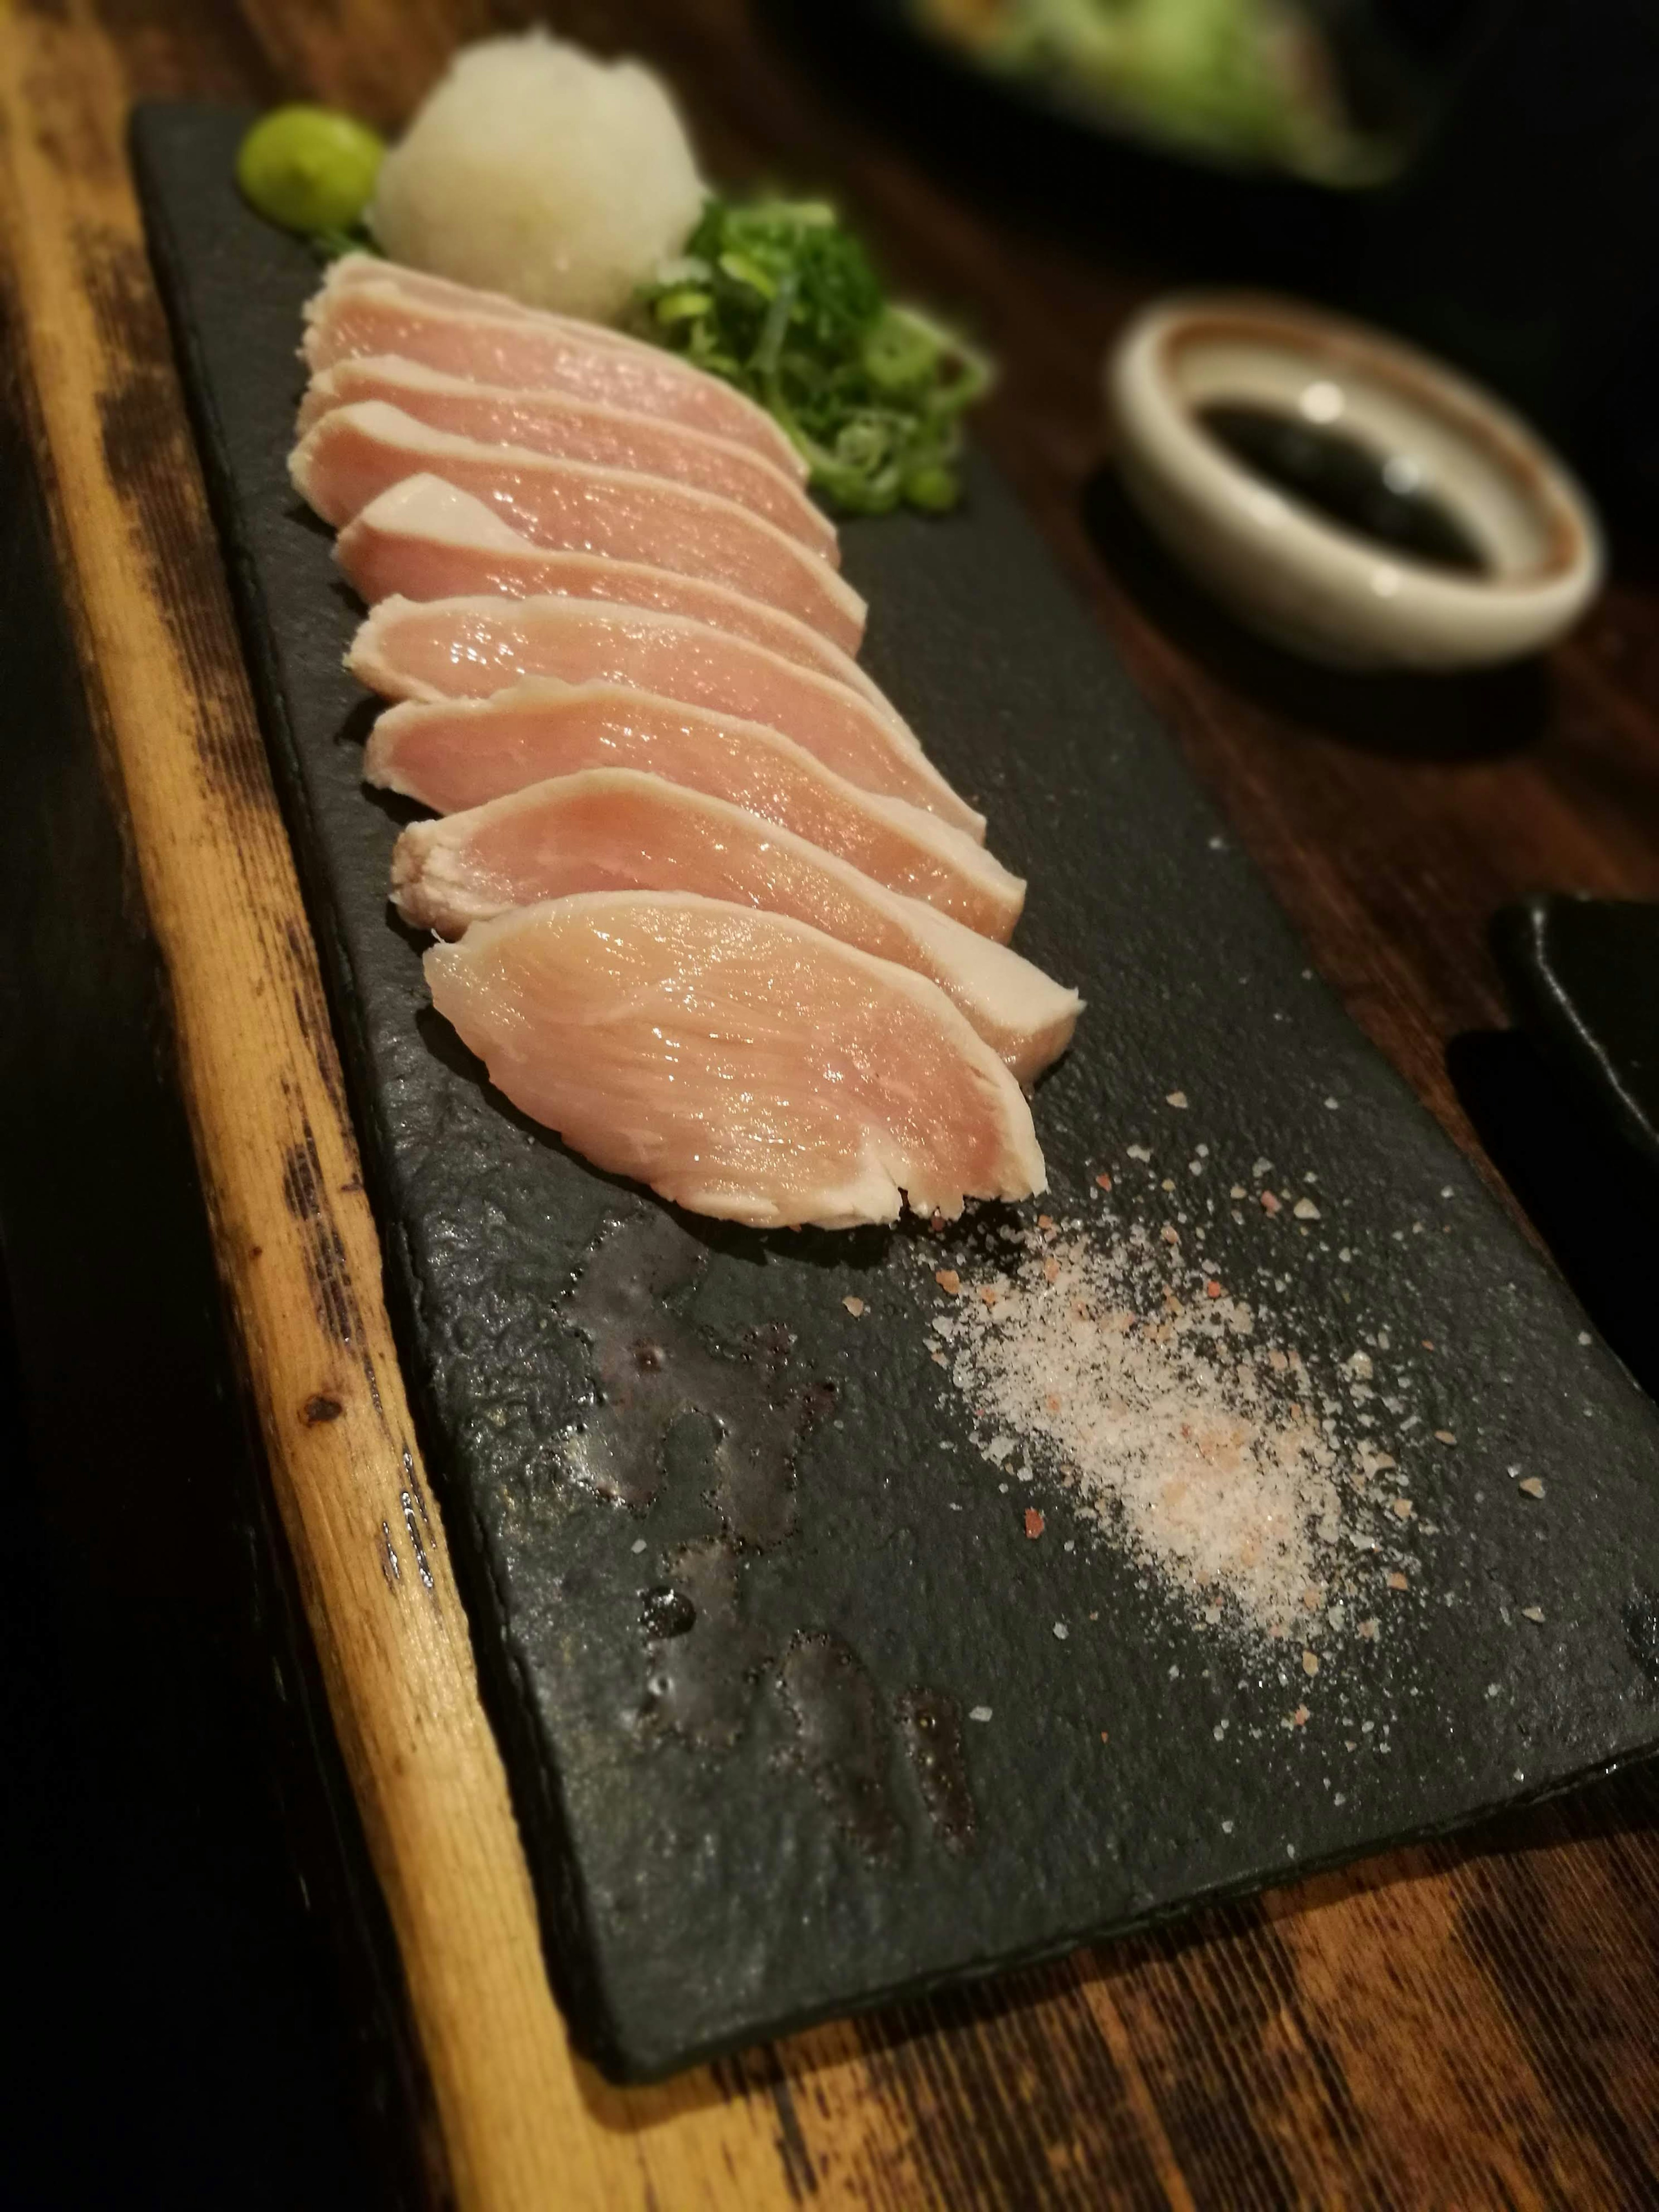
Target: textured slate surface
(759, 1799)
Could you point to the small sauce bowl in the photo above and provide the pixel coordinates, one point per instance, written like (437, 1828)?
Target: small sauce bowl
(1344, 495)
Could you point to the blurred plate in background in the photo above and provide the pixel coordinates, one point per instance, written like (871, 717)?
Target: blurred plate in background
(1336, 93)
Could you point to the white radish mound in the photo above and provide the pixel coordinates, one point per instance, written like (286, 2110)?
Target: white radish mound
(537, 170)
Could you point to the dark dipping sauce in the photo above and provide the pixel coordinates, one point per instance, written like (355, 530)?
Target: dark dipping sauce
(1344, 480)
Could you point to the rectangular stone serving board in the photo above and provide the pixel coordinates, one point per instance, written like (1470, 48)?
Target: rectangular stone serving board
(763, 1799)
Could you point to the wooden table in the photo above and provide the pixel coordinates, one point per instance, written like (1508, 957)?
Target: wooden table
(1469, 2024)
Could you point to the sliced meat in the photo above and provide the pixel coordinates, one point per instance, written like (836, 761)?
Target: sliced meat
(355, 453)
(526, 351)
(424, 539)
(467, 648)
(743, 1064)
(617, 830)
(352, 271)
(574, 430)
(460, 753)
(349, 272)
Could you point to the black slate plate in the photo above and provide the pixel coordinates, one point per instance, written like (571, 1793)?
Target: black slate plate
(1583, 976)
(792, 1830)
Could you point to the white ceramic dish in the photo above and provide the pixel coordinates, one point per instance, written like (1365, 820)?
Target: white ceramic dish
(1316, 586)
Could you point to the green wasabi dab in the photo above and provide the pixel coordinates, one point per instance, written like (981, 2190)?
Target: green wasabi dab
(310, 169)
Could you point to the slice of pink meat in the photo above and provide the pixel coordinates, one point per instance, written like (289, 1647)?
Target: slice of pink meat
(574, 430)
(459, 753)
(353, 271)
(618, 830)
(467, 648)
(424, 539)
(357, 453)
(525, 351)
(742, 1063)
(350, 272)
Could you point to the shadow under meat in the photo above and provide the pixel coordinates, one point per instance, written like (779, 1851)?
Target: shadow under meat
(359, 721)
(1484, 714)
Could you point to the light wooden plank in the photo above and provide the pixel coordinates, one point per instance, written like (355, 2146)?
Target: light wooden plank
(523, 2122)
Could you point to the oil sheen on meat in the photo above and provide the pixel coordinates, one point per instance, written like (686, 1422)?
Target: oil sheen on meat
(743, 1064)
(467, 648)
(424, 539)
(457, 753)
(618, 830)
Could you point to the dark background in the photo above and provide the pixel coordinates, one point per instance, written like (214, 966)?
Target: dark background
(1521, 240)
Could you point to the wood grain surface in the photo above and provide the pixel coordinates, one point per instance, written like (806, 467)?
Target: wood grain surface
(1471, 2024)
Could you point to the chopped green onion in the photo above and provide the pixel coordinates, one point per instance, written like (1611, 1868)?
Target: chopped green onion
(679, 306)
(780, 298)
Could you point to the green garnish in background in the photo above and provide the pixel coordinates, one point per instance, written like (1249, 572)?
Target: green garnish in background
(779, 298)
(1256, 81)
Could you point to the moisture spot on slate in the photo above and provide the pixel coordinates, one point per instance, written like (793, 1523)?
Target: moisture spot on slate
(653, 1373)
(702, 1653)
(1641, 1617)
(841, 1738)
(665, 1612)
(931, 1726)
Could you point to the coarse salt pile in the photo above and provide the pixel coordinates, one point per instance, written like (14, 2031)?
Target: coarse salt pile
(1190, 1442)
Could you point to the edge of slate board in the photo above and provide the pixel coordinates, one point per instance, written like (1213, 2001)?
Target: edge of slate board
(1584, 978)
(694, 1900)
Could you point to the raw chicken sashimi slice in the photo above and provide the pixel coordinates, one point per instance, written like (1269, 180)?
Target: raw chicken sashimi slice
(349, 272)
(524, 352)
(617, 830)
(467, 648)
(355, 453)
(424, 539)
(462, 752)
(353, 271)
(743, 1064)
(574, 430)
